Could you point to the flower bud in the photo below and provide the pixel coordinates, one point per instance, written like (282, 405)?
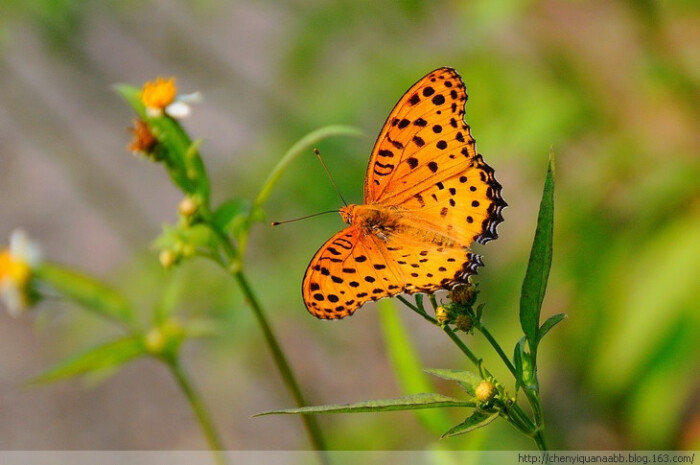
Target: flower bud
(155, 341)
(187, 207)
(441, 315)
(485, 391)
(167, 258)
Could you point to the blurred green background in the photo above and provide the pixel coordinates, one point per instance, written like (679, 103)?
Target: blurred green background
(613, 87)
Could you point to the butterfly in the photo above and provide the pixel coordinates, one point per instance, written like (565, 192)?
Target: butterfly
(428, 195)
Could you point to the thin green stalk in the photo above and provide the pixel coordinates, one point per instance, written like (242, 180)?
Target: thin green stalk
(487, 334)
(532, 398)
(462, 346)
(283, 366)
(305, 143)
(298, 148)
(232, 265)
(419, 311)
(198, 407)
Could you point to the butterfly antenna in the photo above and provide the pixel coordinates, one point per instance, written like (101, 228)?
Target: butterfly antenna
(275, 223)
(320, 158)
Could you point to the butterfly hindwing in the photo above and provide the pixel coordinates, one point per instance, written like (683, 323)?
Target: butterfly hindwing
(351, 268)
(430, 265)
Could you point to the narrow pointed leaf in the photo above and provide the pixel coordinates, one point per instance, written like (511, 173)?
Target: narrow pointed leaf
(466, 379)
(412, 402)
(537, 274)
(477, 419)
(106, 356)
(95, 296)
(549, 324)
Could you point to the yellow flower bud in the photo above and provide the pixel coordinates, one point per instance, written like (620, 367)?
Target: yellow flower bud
(187, 207)
(485, 391)
(155, 341)
(441, 315)
(167, 258)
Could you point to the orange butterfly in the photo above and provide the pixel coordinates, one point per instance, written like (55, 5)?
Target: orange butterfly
(428, 196)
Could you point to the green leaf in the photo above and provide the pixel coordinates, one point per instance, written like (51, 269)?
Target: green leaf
(524, 368)
(103, 357)
(233, 216)
(466, 379)
(406, 363)
(477, 419)
(87, 292)
(537, 274)
(549, 324)
(412, 402)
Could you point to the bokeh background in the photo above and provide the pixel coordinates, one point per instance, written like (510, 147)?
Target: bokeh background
(613, 87)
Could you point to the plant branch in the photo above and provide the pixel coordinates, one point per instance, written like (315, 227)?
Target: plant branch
(487, 334)
(197, 406)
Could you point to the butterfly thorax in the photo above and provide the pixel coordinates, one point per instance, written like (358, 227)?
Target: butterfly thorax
(373, 219)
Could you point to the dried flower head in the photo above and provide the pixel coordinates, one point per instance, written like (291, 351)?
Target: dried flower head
(462, 293)
(464, 323)
(143, 141)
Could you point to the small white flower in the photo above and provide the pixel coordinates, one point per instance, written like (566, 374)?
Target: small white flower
(160, 96)
(16, 263)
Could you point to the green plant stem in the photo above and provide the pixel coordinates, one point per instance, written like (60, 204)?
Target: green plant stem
(297, 149)
(233, 266)
(516, 416)
(198, 407)
(419, 311)
(487, 334)
(462, 346)
(283, 366)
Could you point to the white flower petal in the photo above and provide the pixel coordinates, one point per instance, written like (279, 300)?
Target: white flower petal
(194, 97)
(178, 109)
(13, 299)
(23, 249)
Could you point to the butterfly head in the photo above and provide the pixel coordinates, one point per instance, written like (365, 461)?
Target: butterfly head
(347, 213)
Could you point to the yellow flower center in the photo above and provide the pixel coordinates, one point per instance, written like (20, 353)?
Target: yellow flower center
(13, 270)
(159, 93)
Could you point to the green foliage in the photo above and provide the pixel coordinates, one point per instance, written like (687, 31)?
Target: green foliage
(535, 282)
(87, 292)
(410, 402)
(106, 356)
(478, 419)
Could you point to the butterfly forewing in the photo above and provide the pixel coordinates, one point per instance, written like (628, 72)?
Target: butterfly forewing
(423, 138)
(425, 161)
